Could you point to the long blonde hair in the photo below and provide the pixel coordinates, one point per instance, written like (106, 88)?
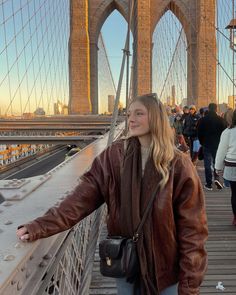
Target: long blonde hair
(162, 136)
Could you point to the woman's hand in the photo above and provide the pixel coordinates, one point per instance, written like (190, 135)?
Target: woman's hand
(22, 234)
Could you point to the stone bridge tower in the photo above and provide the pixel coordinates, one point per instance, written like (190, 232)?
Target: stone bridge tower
(87, 17)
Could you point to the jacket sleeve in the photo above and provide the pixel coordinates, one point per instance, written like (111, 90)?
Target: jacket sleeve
(191, 226)
(222, 150)
(200, 131)
(87, 196)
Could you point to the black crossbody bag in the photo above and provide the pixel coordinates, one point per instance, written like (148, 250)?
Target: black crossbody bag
(118, 255)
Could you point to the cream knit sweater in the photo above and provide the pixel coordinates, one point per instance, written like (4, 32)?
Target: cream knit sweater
(227, 148)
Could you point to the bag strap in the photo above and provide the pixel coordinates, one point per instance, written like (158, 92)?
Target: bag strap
(145, 214)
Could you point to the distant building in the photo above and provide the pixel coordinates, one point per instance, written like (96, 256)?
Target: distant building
(27, 115)
(184, 102)
(57, 108)
(111, 103)
(173, 94)
(39, 112)
(232, 101)
(65, 110)
(222, 108)
(60, 108)
(168, 101)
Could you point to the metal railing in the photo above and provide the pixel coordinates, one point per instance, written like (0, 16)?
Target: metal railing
(61, 264)
(68, 272)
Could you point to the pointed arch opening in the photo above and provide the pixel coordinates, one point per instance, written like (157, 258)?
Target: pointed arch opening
(111, 42)
(169, 60)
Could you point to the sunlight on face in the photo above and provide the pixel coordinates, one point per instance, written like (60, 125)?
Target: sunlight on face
(138, 121)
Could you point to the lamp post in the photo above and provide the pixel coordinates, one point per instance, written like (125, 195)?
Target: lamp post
(232, 31)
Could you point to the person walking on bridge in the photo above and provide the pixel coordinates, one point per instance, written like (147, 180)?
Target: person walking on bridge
(209, 130)
(226, 160)
(190, 131)
(171, 248)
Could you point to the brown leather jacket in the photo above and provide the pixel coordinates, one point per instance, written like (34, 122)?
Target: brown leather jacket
(180, 224)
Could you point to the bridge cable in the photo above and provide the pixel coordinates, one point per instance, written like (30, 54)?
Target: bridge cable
(34, 54)
(178, 63)
(115, 111)
(171, 63)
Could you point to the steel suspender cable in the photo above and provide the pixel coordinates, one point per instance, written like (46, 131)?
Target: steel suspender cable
(127, 65)
(109, 67)
(115, 111)
(171, 64)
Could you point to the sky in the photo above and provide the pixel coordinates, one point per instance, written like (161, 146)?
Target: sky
(115, 43)
(34, 66)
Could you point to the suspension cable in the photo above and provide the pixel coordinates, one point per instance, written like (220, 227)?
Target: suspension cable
(168, 72)
(115, 112)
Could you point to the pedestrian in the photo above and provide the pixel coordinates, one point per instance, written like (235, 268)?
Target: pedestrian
(226, 160)
(228, 115)
(183, 119)
(178, 128)
(190, 131)
(171, 248)
(209, 130)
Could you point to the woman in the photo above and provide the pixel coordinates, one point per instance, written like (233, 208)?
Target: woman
(227, 116)
(171, 249)
(226, 159)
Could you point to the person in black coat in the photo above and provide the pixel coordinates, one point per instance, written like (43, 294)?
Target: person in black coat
(190, 130)
(209, 130)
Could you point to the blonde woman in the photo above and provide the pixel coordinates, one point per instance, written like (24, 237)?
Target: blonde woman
(171, 249)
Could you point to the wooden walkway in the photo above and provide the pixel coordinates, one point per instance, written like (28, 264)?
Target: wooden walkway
(221, 247)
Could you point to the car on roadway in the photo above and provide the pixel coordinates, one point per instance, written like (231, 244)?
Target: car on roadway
(72, 152)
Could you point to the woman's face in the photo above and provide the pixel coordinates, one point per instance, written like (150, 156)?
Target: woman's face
(138, 121)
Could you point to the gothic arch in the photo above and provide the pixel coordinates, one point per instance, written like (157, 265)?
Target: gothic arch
(181, 13)
(101, 12)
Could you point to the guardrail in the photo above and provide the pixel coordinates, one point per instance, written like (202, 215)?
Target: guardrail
(60, 264)
(24, 160)
(47, 139)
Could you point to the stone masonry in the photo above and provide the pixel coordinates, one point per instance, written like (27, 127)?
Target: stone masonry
(87, 17)
(79, 60)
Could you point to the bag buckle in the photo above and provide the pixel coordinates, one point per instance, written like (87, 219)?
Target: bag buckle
(108, 261)
(135, 237)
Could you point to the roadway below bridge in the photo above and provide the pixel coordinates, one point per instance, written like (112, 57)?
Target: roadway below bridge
(37, 166)
(39, 139)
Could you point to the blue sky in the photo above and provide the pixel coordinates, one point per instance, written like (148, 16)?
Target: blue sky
(114, 32)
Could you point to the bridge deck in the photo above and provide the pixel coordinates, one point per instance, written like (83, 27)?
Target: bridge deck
(221, 248)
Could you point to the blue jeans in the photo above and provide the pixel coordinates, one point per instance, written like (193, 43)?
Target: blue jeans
(233, 196)
(209, 159)
(125, 288)
(226, 183)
